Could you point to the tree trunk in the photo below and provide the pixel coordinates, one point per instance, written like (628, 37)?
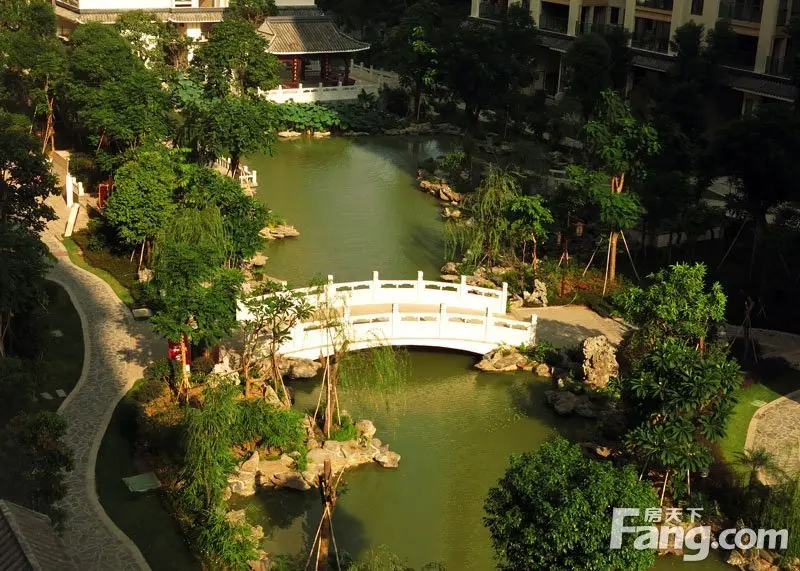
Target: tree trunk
(417, 98)
(234, 168)
(184, 381)
(612, 265)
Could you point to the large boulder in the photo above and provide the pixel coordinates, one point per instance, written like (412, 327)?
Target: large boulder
(450, 268)
(538, 296)
(562, 401)
(502, 359)
(300, 368)
(251, 464)
(388, 459)
(599, 361)
(365, 429)
(293, 480)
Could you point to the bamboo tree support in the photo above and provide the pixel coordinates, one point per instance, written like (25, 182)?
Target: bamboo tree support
(627, 249)
(617, 184)
(733, 243)
(664, 487)
(324, 536)
(688, 482)
(591, 259)
(608, 259)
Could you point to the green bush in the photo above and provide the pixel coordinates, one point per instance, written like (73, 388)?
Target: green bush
(148, 390)
(202, 366)
(304, 117)
(542, 352)
(268, 425)
(346, 431)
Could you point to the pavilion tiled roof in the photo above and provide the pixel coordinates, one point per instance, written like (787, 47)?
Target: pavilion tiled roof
(176, 15)
(307, 34)
(29, 543)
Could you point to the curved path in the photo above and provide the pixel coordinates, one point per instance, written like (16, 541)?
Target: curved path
(776, 425)
(115, 351)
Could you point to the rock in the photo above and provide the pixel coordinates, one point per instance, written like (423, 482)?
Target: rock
(321, 134)
(562, 401)
(263, 562)
(145, 275)
(538, 296)
(451, 213)
(440, 190)
(243, 483)
(292, 480)
(279, 232)
(251, 464)
(599, 361)
(231, 357)
(388, 459)
(584, 408)
(271, 396)
(142, 313)
(450, 278)
(450, 268)
(303, 369)
(366, 429)
(289, 134)
(319, 455)
(258, 261)
(543, 370)
(500, 270)
(602, 451)
(504, 358)
(516, 304)
(332, 446)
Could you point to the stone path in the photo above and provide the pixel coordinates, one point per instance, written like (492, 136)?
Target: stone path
(116, 350)
(568, 325)
(776, 425)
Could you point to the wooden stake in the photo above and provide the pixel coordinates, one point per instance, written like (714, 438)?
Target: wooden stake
(586, 269)
(664, 487)
(608, 259)
(624, 241)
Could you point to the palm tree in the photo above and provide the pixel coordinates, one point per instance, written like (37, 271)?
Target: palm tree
(759, 462)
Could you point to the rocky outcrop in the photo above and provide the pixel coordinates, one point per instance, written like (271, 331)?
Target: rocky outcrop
(425, 129)
(258, 261)
(145, 275)
(283, 472)
(237, 517)
(289, 134)
(451, 213)
(538, 297)
(507, 358)
(441, 190)
(279, 232)
(599, 361)
(567, 403)
(296, 368)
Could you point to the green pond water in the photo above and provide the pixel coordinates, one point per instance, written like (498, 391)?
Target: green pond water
(357, 209)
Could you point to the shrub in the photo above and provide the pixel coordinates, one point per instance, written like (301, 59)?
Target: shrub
(266, 424)
(202, 366)
(148, 390)
(542, 352)
(396, 101)
(346, 431)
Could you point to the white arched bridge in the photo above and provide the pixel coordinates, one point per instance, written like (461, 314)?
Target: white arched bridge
(405, 312)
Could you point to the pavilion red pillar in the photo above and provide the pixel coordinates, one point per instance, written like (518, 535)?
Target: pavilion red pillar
(346, 71)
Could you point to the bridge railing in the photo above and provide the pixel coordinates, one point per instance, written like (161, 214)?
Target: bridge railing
(445, 328)
(419, 292)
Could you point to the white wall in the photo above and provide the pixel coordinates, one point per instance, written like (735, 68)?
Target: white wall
(126, 4)
(289, 3)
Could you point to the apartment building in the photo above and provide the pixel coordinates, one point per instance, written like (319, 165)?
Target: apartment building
(757, 66)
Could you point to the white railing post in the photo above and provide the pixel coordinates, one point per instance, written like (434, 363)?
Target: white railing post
(300, 86)
(329, 290)
(504, 299)
(420, 286)
(487, 325)
(442, 319)
(296, 337)
(255, 178)
(462, 288)
(395, 319)
(375, 286)
(532, 338)
(68, 190)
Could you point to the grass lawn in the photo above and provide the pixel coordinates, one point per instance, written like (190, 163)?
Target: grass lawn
(765, 391)
(76, 256)
(63, 357)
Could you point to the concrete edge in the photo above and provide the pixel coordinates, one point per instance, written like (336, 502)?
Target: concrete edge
(90, 482)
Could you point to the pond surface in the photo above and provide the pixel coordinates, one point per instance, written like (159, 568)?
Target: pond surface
(355, 204)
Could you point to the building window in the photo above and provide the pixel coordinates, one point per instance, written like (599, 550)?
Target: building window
(614, 17)
(697, 7)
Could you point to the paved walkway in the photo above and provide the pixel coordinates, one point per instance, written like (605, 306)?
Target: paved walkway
(776, 425)
(116, 350)
(567, 325)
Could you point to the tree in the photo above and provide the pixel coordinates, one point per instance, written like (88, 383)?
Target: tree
(23, 265)
(25, 178)
(235, 126)
(589, 63)
(675, 304)
(253, 11)
(618, 145)
(757, 462)
(112, 95)
(679, 400)
(35, 459)
(485, 239)
(771, 133)
(413, 49)
(17, 388)
(552, 510)
(530, 218)
(236, 58)
(618, 40)
(243, 216)
(275, 310)
(195, 299)
(156, 43)
(36, 61)
(143, 200)
(484, 66)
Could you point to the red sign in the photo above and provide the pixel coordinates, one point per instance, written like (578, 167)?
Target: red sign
(174, 350)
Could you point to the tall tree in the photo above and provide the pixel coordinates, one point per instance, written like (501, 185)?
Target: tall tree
(552, 510)
(236, 58)
(589, 67)
(771, 133)
(254, 11)
(530, 218)
(112, 95)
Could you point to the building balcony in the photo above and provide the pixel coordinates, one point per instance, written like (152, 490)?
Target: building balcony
(742, 11)
(739, 59)
(582, 28)
(656, 4)
(554, 24)
(780, 67)
(650, 43)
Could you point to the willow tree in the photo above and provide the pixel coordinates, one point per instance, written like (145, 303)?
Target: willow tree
(195, 298)
(489, 233)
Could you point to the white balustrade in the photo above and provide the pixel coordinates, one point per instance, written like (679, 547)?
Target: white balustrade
(467, 317)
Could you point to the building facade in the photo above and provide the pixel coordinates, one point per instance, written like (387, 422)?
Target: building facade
(757, 66)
